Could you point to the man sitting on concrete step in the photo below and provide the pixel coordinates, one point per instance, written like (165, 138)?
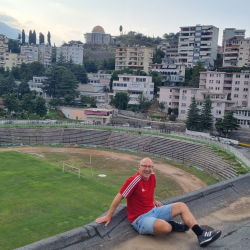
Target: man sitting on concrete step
(149, 216)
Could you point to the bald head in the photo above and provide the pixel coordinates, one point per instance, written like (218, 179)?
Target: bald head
(142, 162)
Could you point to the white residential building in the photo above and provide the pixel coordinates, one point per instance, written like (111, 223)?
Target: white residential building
(198, 43)
(134, 86)
(36, 84)
(72, 50)
(99, 77)
(171, 72)
(3, 48)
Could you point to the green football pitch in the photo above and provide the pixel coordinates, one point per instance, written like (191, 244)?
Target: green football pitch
(38, 200)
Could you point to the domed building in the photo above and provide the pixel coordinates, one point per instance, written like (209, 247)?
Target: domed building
(98, 36)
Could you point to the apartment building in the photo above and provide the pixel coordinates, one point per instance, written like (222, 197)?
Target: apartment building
(45, 54)
(13, 60)
(236, 52)
(134, 86)
(171, 72)
(99, 77)
(31, 52)
(3, 48)
(198, 43)
(72, 50)
(180, 97)
(135, 57)
(170, 50)
(243, 115)
(230, 33)
(235, 85)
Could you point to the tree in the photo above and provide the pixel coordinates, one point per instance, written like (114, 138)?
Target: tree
(206, 116)
(143, 102)
(30, 37)
(194, 82)
(161, 106)
(40, 106)
(229, 122)
(157, 80)
(90, 66)
(80, 73)
(158, 55)
(93, 102)
(111, 63)
(193, 117)
(61, 60)
(34, 37)
(60, 82)
(27, 103)
(120, 28)
(120, 100)
(48, 38)
(23, 88)
(23, 37)
(7, 85)
(11, 102)
(219, 125)
(25, 72)
(172, 38)
(13, 46)
(218, 62)
(54, 102)
(41, 38)
(37, 69)
(84, 100)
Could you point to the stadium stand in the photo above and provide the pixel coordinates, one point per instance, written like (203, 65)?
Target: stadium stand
(189, 153)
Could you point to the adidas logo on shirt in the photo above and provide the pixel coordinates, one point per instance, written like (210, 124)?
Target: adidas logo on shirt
(143, 190)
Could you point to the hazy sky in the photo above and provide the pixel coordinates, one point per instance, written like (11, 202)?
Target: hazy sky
(70, 19)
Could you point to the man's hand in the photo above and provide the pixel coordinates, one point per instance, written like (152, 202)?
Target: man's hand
(158, 204)
(106, 219)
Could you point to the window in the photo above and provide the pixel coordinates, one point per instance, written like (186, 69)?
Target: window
(246, 76)
(169, 103)
(183, 104)
(219, 104)
(184, 91)
(193, 91)
(218, 112)
(211, 75)
(245, 89)
(236, 89)
(245, 96)
(237, 76)
(236, 95)
(217, 81)
(211, 81)
(244, 103)
(218, 75)
(245, 82)
(125, 79)
(211, 87)
(114, 84)
(183, 111)
(170, 90)
(184, 98)
(237, 82)
(217, 88)
(125, 84)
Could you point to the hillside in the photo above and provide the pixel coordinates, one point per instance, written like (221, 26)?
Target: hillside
(8, 31)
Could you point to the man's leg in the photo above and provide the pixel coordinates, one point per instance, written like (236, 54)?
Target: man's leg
(204, 237)
(162, 227)
(182, 209)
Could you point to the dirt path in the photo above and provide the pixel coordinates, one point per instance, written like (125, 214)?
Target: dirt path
(187, 181)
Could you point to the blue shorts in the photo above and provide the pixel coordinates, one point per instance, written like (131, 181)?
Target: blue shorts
(144, 224)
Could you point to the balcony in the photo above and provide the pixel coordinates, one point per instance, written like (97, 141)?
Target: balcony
(228, 108)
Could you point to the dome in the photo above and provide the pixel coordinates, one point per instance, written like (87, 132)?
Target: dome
(98, 29)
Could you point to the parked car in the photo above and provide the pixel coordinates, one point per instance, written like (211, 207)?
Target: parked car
(214, 138)
(84, 123)
(147, 127)
(227, 142)
(137, 126)
(110, 124)
(125, 125)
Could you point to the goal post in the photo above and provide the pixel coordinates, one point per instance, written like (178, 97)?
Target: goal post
(72, 168)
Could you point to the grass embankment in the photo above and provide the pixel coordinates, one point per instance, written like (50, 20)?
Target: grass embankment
(38, 200)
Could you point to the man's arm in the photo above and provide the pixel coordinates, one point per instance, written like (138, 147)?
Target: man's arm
(112, 209)
(157, 203)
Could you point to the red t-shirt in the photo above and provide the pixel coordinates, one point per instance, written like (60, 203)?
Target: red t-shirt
(139, 195)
